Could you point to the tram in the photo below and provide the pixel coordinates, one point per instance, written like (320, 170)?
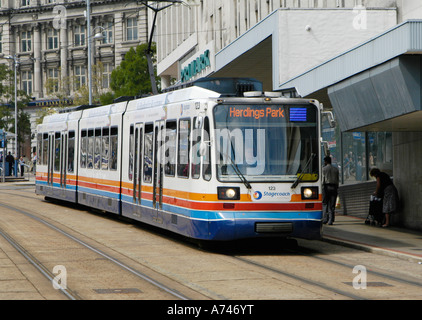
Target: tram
(217, 160)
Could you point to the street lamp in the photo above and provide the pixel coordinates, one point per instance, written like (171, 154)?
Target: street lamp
(156, 10)
(16, 63)
(88, 27)
(90, 39)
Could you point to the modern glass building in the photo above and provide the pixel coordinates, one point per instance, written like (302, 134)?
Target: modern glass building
(361, 59)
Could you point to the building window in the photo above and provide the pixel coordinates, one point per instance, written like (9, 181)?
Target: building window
(25, 3)
(107, 69)
(26, 41)
(79, 36)
(356, 153)
(107, 32)
(53, 80)
(52, 39)
(131, 29)
(1, 44)
(80, 76)
(27, 82)
(380, 148)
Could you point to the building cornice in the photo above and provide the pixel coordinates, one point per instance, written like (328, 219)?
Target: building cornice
(42, 8)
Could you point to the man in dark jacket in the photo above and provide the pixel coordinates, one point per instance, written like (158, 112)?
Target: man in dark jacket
(10, 160)
(330, 182)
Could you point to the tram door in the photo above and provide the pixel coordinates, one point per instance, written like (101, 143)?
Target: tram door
(159, 154)
(63, 158)
(50, 160)
(57, 157)
(137, 159)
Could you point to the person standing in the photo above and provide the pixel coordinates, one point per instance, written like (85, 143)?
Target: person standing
(22, 165)
(330, 183)
(387, 192)
(11, 160)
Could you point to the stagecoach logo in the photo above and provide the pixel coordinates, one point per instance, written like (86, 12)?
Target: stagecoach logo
(271, 196)
(257, 195)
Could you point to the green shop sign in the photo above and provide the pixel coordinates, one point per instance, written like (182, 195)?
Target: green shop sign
(196, 66)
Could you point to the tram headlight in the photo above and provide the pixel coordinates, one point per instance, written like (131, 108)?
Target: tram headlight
(310, 193)
(228, 193)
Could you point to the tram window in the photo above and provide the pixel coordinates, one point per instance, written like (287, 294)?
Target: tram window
(90, 161)
(135, 157)
(148, 152)
(39, 148)
(71, 152)
(139, 159)
(183, 150)
(196, 142)
(57, 148)
(84, 146)
(206, 165)
(45, 149)
(105, 149)
(131, 132)
(97, 149)
(170, 148)
(114, 147)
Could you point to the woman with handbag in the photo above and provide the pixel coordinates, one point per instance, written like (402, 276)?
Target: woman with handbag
(388, 192)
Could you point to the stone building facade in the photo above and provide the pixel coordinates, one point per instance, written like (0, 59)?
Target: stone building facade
(49, 37)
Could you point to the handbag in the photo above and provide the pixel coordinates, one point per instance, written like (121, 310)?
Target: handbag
(375, 211)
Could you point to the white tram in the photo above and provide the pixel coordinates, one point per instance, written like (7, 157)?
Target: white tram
(205, 161)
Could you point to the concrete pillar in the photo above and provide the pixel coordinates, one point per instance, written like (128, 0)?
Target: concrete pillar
(38, 92)
(408, 177)
(64, 44)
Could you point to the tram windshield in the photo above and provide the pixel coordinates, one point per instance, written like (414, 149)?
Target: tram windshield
(267, 142)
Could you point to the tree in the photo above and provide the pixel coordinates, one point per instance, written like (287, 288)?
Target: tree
(7, 116)
(57, 88)
(131, 78)
(98, 95)
(5, 74)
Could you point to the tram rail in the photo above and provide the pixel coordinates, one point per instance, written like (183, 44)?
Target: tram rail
(71, 294)
(299, 267)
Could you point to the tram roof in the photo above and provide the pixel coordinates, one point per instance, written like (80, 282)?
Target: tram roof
(106, 110)
(186, 94)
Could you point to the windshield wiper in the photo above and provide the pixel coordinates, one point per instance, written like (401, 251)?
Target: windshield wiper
(240, 174)
(236, 168)
(294, 185)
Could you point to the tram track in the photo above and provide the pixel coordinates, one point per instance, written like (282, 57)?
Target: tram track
(303, 269)
(384, 279)
(302, 279)
(45, 270)
(278, 265)
(372, 271)
(37, 264)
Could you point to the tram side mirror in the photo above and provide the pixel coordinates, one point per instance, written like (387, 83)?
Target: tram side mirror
(326, 148)
(198, 123)
(330, 118)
